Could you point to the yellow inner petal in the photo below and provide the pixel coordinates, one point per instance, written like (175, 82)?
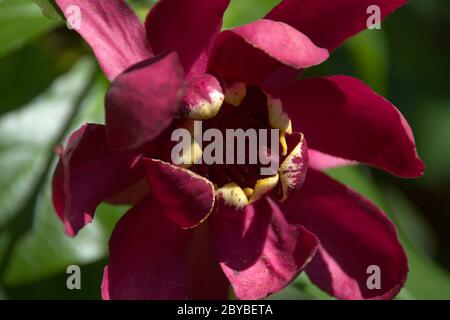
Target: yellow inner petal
(233, 195)
(262, 187)
(208, 109)
(278, 119)
(235, 94)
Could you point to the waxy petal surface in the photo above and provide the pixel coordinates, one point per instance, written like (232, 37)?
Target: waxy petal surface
(187, 27)
(328, 23)
(251, 53)
(89, 173)
(113, 31)
(143, 101)
(354, 235)
(259, 251)
(343, 117)
(148, 256)
(206, 279)
(293, 169)
(322, 161)
(186, 197)
(203, 97)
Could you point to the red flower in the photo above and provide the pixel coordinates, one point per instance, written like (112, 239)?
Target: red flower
(185, 220)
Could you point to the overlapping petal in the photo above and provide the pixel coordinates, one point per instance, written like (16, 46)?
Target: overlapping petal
(143, 101)
(251, 53)
(187, 27)
(132, 195)
(203, 97)
(333, 232)
(328, 23)
(259, 251)
(322, 161)
(206, 279)
(88, 173)
(294, 166)
(185, 197)
(343, 117)
(354, 235)
(148, 256)
(113, 31)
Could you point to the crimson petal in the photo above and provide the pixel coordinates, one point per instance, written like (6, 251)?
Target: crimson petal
(251, 53)
(143, 101)
(354, 235)
(322, 161)
(113, 31)
(206, 279)
(203, 97)
(132, 195)
(259, 251)
(88, 173)
(343, 117)
(186, 198)
(294, 166)
(187, 27)
(148, 256)
(329, 22)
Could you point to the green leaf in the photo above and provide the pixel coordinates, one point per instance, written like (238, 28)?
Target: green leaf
(242, 12)
(354, 177)
(20, 21)
(40, 67)
(415, 227)
(49, 8)
(368, 52)
(433, 137)
(426, 280)
(47, 250)
(26, 138)
(142, 7)
(54, 287)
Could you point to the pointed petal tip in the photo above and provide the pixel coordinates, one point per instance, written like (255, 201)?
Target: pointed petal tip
(113, 31)
(253, 52)
(77, 188)
(343, 117)
(354, 234)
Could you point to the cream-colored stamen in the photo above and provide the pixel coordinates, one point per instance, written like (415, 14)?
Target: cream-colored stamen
(235, 93)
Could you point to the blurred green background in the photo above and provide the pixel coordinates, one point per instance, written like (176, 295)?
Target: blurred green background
(50, 84)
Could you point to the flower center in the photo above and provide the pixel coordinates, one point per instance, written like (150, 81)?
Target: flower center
(250, 116)
(253, 116)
